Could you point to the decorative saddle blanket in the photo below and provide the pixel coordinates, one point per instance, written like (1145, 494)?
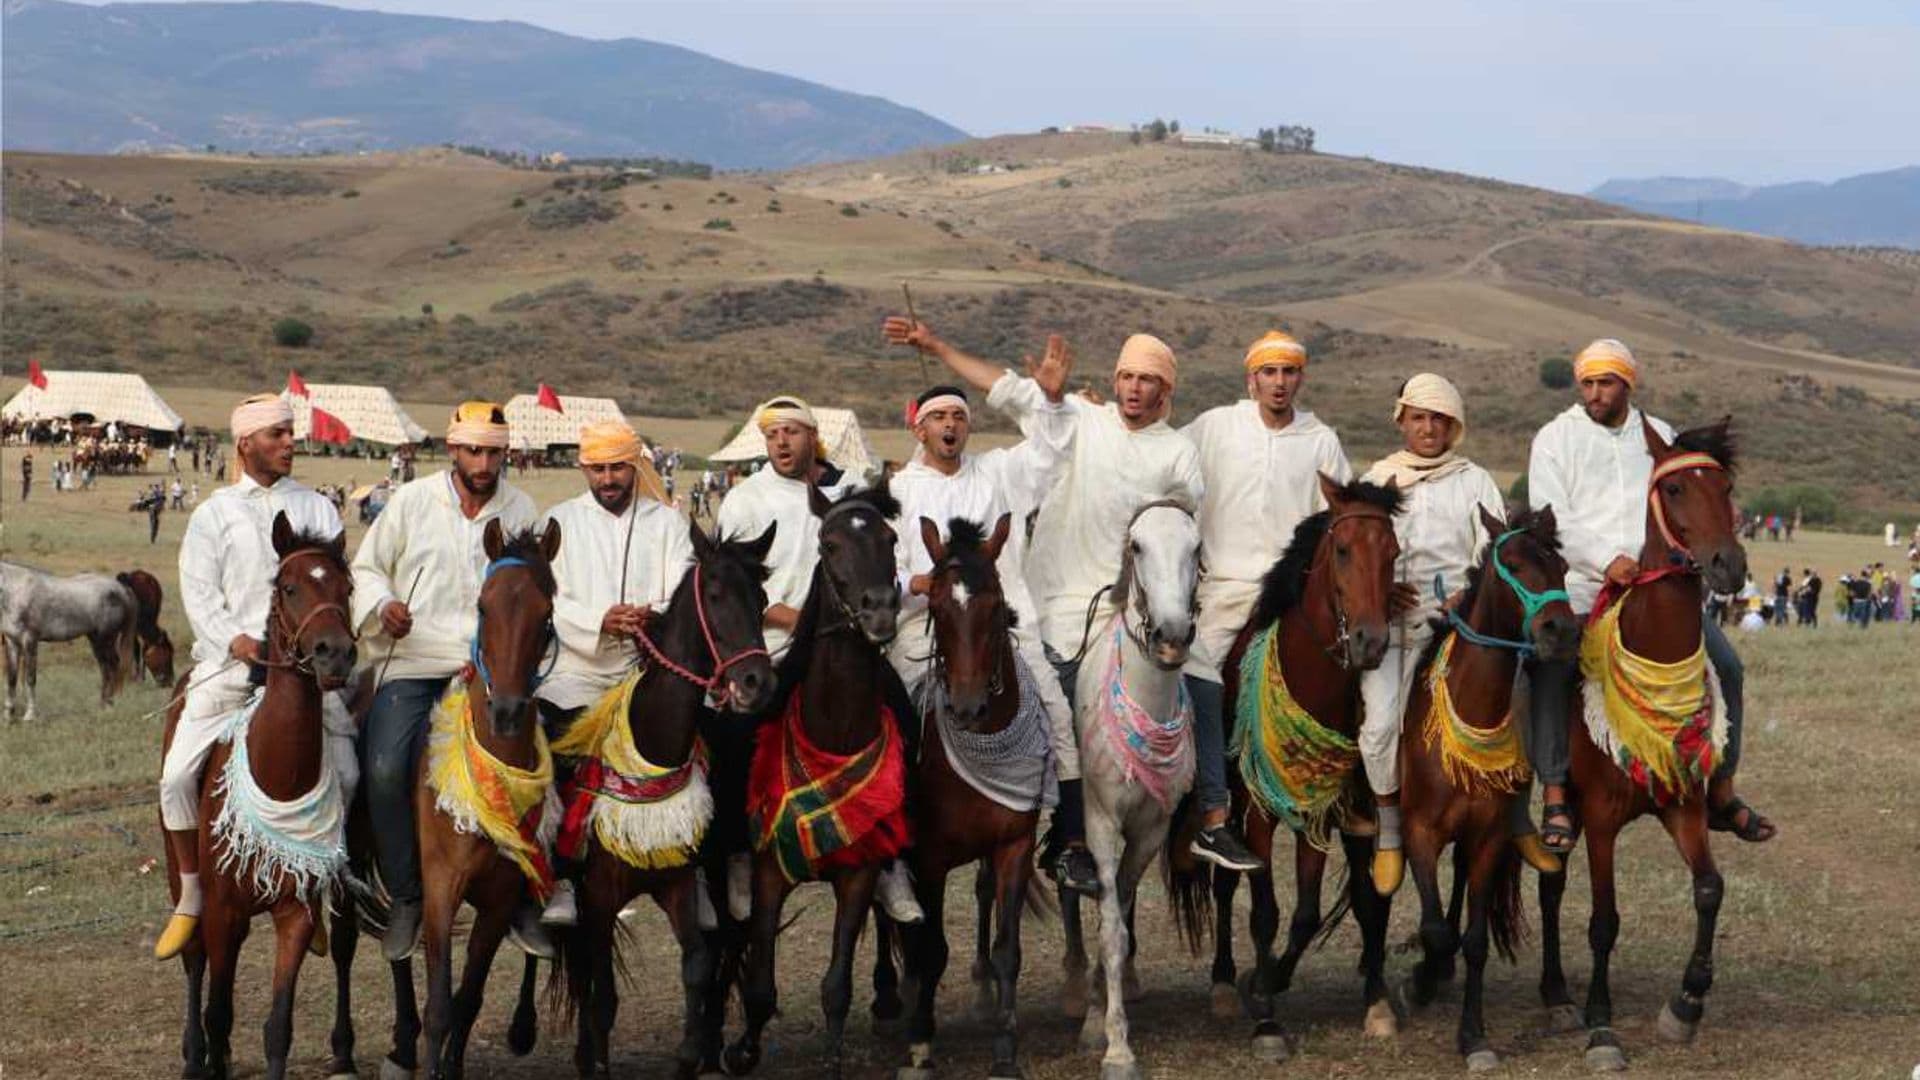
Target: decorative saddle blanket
(515, 808)
(261, 840)
(818, 811)
(1478, 761)
(1294, 766)
(652, 817)
(1012, 766)
(1156, 754)
(1664, 725)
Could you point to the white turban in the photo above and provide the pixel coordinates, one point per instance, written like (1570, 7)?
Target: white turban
(1434, 394)
(258, 413)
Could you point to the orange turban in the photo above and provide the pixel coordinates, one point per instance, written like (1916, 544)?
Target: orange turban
(1607, 357)
(1144, 354)
(1275, 347)
(612, 442)
(479, 424)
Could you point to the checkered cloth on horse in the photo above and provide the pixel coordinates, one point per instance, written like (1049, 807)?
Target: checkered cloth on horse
(818, 811)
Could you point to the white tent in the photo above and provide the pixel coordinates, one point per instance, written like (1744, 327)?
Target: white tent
(370, 412)
(847, 444)
(535, 428)
(103, 395)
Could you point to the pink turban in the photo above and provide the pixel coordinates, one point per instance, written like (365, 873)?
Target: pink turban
(1144, 354)
(258, 413)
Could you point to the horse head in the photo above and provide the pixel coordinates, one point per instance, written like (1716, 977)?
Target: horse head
(515, 637)
(1358, 550)
(1525, 556)
(158, 658)
(728, 589)
(1690, 503)
(1159, 573)
(972, 624)
(309, 624)
(857, 558)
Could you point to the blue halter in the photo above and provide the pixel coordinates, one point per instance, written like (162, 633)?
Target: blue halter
(1530, 603)
(473, 650)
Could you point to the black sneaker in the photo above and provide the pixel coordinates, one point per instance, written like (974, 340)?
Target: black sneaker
(1075, 870)
(1221, 847)
(403, 931)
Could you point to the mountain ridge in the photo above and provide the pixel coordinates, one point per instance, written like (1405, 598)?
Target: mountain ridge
(1869, 209)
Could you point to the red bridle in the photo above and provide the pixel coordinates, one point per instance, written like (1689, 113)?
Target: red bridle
(706, 683)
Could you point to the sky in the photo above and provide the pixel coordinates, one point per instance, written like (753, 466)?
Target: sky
(1560, 93)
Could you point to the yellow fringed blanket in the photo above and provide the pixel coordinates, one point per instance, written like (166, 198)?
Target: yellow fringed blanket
(486, 796)
(1663, 724)
(652, 817)
(1478, 761)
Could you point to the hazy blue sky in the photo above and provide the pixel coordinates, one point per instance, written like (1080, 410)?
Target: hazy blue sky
(1562, 93)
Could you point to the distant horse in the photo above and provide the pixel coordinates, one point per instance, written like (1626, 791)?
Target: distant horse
(827, 789)
(36, 606)
(150, 638)
(642, 784)
(1461, 759)
(1663, 765)
(1134, 720)
(273, 773)
(981, 778)
(1293, 689)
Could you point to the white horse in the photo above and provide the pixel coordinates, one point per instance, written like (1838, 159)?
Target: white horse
(35, 606)
(1136, 746)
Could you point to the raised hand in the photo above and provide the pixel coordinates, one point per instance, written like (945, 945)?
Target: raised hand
(1053, 368)
(900, 330)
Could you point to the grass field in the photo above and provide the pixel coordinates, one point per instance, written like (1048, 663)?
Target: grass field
(1819, 941)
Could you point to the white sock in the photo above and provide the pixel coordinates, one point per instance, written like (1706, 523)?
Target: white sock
(1389, 817)
(190, 901)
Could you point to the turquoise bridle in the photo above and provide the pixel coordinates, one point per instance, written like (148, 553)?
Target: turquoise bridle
(551, 648)
(1530, 603)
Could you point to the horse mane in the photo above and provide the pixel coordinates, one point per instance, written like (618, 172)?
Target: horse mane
(1286, 581)
(1715, 440)
(878, 497)
(1532, 522)
(525, 544)
(967, 551)
(308, 540)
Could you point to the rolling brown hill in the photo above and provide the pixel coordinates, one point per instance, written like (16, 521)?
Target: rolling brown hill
(441, 274)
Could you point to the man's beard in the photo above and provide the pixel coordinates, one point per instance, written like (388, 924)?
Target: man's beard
(613, 501)
(469, 481)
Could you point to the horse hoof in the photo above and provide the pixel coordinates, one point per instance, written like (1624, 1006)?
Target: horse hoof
(1481, 1061)
(1417, 1000)
(1093, 1038)
(1119, 1070)
(739, 1060)
(1381, 1021)
(1672, 1028)
(340, 1074)
(1005, 1071)
(1563, 1020)
(1225, 1001)
(1272, 1049)
(1606, 1059)
(391, 1071)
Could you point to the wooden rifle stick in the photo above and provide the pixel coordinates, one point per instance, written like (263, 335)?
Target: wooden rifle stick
(925, 379)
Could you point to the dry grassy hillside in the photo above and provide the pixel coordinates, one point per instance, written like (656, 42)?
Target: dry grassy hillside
(697, 298)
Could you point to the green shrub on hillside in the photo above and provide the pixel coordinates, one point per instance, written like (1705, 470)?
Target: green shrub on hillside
(1556, 373)
(291, 333)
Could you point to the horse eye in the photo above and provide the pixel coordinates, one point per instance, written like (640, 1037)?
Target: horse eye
(1673, 489)
(1133, 546)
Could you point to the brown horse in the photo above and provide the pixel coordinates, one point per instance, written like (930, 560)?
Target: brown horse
(1515, 603)
(1691, 539)
(1329, 596)
(462, 864)
(976, 689)
(839, 679)
(707, 642)
(153, 648)
(310, 649)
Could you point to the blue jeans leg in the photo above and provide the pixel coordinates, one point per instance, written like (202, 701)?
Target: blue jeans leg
(1733, 679)
(1209, 743)
(395, 736)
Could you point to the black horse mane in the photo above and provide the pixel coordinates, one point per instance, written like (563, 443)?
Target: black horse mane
(308, 540)
(967, 551)
(1532, 522)
(879, 497)
(1715, 440)
(1286, 582)
(526, 544)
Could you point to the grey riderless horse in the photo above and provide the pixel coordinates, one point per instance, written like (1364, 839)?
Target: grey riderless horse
(36, 606)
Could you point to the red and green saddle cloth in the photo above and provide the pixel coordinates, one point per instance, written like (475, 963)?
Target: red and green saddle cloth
(817, 811)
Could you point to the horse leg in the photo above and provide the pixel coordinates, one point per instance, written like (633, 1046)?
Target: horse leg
(682, 906)
(1437, 937)
(193, 1040)
(1013, 870)
(759, 995)
(1225, 997)
(483, 942)
(1604, 1052)
(1562, 1016)
(404, 1057)
(1120, 871)
(1130, 973)
(222, 932)
(985, 887)
(1309, 869)
(853, 898)
(926, 963)
(1687, 824)
(1456, 906)
(590, 973)
(30, 669)
(292, 931)
(108, 657)
(1488, 851)
(523, 1031)
(1073, 958)
(346, 942)
(13, 673)
(1266, 980)
(441, 902)
(1371, 911)
(887, 936)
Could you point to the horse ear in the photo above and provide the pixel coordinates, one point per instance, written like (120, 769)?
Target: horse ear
(930, 536)
(550, 540)
(764, 543)
(817, 501)
(1329, 490)
(282, 535)
(1001, 530)
(490, 540)
(338, 545)
(702, 543)
(1494, 525)
(1546, 522)
(1656, 445)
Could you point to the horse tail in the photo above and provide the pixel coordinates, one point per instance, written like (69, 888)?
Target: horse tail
(1042, 904)
(1342, 905)
(124, 647)
(1189, 881)
(1507, 915)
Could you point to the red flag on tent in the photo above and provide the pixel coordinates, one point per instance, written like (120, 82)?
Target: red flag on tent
(35, 375)
(549, 399)
(296, 385)
(324, 427)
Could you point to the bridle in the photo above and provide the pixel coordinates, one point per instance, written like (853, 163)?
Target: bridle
(715, 684)
(1135, 601)
(849, 618)
(1002, 634)
(1530, 603)
(1339, 649)
(1658, 505)
(290, 638)
(550, 646)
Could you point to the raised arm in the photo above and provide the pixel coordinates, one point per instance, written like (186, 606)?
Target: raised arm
(1049, 373)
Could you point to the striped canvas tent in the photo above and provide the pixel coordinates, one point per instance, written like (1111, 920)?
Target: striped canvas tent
(840, 430)
(104, 395)
(535, 428)
(371, 413)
